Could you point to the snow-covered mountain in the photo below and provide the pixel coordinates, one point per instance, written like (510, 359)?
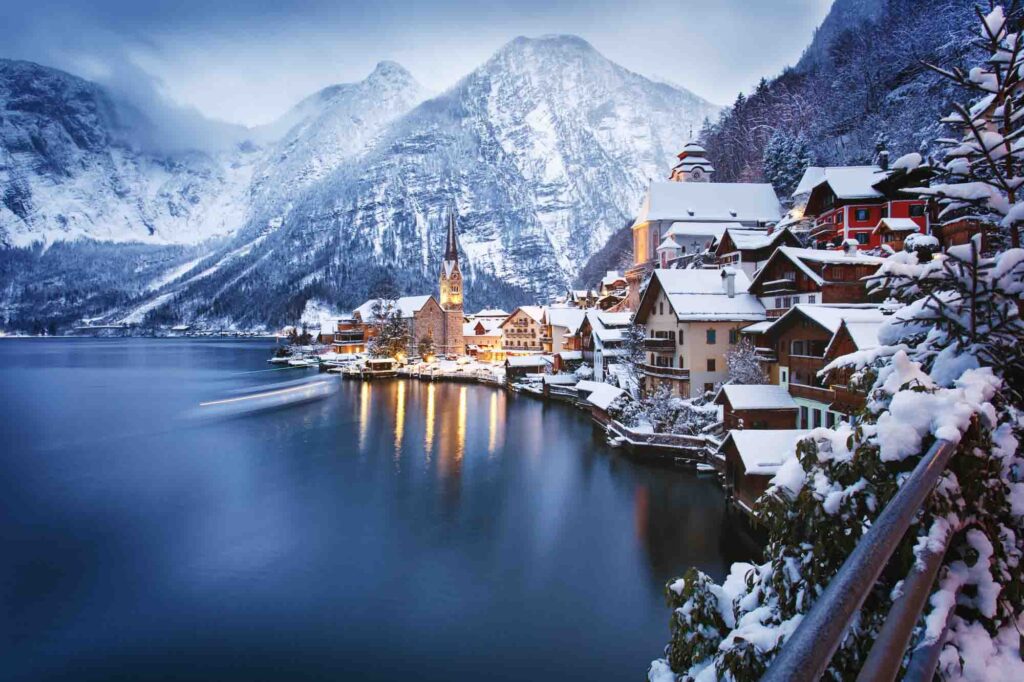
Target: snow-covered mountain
(545, 150)
(73, 164)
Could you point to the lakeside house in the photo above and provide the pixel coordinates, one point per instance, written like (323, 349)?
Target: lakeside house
(757, 406)
(602, 337)
(691, 318)
(750, 459)
(800, 340)
(523, 330)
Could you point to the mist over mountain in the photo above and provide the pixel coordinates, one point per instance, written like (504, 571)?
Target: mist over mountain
(544, 150)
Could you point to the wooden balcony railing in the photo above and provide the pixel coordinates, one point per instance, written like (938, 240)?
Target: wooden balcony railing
(821, 395)
(659, 344)
(666, 372)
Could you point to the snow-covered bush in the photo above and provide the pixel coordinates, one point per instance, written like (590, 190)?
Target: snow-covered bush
(743, 364)
(662, 412)
(584, 371)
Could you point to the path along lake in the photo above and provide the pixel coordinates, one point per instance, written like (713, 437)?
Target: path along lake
(396, 530)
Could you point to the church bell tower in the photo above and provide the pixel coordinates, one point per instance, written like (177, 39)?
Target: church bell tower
(451, 289)
(693, 165)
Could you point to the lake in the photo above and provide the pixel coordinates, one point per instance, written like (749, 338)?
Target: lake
(395, 530)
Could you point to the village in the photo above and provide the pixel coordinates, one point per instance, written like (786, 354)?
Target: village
(713, 349)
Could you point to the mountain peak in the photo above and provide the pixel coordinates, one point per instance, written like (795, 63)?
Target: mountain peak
(387, 70)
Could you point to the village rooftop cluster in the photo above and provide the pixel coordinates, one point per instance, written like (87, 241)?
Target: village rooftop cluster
(730, 311)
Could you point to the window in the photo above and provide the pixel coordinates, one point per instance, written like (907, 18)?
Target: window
(661, 308)
(680, 362)
(885, 211)
(812, 299)
(680, 337)
(830, 419)
(734, 336)
(784, 376)
(917, 210)
(803, 418)
(817, 418)
(711, 364)
(711, 336)
(662, 361)
(862, 238)
(861, 214)
(839, 217)
(708, 388)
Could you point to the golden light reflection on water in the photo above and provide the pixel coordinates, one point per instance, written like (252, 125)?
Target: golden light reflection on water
(364, 413)
(460, 431)
(428, 440)
(492, 423)
(399, 421)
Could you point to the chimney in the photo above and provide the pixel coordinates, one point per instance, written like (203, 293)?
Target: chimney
(883, 159)
(850, 247)
(729, 281)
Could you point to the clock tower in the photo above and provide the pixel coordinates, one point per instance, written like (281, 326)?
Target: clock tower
(693, 165)
(451, 289)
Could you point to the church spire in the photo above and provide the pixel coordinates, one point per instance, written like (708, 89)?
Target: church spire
(451, 249)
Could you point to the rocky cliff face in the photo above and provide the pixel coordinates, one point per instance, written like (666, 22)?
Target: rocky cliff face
(544, 151)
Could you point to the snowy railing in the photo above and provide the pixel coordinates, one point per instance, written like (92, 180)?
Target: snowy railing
(807, 653)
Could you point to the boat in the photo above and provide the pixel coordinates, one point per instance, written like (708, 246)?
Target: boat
(303, 362)
(272, 396)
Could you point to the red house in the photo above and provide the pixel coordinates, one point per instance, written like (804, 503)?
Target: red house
(848, 202)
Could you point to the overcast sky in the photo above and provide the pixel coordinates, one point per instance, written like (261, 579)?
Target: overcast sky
(248, 62)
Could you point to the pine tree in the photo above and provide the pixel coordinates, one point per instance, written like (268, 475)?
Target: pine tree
(980, 175)
(949, 365)
(391, 333)
(786, 157)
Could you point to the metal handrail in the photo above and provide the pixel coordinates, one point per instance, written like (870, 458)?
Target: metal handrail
(807, 653)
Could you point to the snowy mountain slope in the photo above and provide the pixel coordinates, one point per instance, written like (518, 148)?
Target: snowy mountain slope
(544, 150)
(329, 127)
(71, 166)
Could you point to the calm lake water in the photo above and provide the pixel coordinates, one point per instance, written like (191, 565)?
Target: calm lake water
(396, 530)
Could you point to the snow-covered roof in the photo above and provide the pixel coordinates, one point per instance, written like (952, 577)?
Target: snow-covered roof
(701, 295)
(534, 311)
(492, 312)
(604, 395)
(588, 385)
(763, 451)
(561, 379)
(407, 305)
(757, 397)
(710, 202)
(757, 327)
(863, 333)
(801, 257)
(898, 225)
(608, 326)
(667, 243)
(526, 360)
(848, 182)
(571, 355)
(699, 229)
(570, 318)
(748, 239)
(831, 316)
(611, 277)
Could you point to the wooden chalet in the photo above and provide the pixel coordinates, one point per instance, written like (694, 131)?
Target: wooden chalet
(757, 407)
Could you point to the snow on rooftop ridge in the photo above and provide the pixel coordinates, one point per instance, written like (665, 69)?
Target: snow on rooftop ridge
(710, 202)
(709, 281)
(757, 397)
(832, 316)
(604, 395)
(848, 182)
(763, 451)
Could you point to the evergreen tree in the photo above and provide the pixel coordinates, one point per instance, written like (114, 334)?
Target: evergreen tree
(979, 178)
(426, 346)
(949, 365)
(390, 332)
(786, 157)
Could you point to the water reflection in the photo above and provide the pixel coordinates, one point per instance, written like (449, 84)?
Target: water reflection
(428, 439)
(492, 423)
(399, 423)
(460, 434)
(364, 414)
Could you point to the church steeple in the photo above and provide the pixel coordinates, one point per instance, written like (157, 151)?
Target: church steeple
(693, 165)
(451, 249)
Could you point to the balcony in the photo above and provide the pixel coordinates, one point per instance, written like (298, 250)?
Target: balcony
(778, 286)
(815, 393)
(666, 372)
(659, 344)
